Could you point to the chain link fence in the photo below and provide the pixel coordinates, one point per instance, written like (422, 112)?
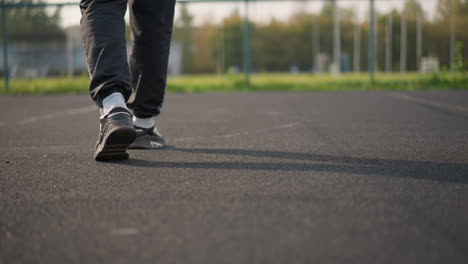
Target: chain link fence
(43, 39)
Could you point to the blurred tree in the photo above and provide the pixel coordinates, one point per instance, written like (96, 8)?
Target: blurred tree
(301, 27)
(271, 45)
(279, 45)
(32, 23)
(327, 9)
(412, 8)
(183, 33)
(204, 50)
(233, 40)
(438, 33)
(443, 9)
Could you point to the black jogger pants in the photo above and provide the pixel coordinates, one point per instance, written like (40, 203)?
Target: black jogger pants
(143, 84)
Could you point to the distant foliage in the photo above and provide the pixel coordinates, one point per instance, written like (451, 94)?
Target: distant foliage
(279, 45)
(460, 65)
(27, 24)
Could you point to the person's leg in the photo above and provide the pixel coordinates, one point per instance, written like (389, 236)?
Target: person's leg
(103, 28)
(151, 22)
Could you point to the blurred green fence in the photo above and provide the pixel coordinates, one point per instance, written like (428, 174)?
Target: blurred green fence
(403, 40)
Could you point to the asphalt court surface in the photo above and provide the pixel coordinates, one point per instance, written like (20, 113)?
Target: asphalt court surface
(339, 177)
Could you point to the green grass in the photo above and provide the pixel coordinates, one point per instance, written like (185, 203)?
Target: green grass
(259, 82)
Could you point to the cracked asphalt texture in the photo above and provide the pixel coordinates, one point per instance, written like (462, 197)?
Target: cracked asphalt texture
(339, 177)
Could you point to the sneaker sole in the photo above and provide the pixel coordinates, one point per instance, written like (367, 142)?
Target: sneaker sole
(145, 144)
(115, 145)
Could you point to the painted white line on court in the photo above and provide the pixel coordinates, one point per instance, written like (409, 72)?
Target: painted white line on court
(41, 148)
(183, 139)
(69, 112)
(125, 231)
(286, 125)
(244, 133)
(431, 103)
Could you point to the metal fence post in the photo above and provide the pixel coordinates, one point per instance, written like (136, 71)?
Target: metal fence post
(5, 46)
(316, 41)
(246, 43)
(357, 47)
(452, 35)
(336, 39)
(403, 42)
(388, 44)
(371, 57)
(419, 40)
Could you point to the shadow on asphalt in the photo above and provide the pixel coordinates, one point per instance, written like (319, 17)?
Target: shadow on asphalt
(424, 170)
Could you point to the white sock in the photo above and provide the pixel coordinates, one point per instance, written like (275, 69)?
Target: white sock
(113, 100)
(143, 122)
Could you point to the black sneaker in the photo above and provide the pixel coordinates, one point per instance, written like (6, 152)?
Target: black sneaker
(116, 134)
(147, 138)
